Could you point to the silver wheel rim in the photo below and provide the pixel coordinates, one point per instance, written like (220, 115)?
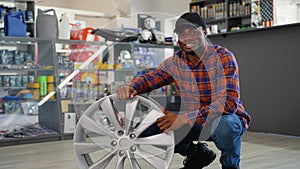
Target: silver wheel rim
(107, 136)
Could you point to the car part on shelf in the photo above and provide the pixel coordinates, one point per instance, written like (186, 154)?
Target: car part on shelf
(107, 135)
(116, 35)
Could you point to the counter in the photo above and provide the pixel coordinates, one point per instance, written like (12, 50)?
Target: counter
(269, 62)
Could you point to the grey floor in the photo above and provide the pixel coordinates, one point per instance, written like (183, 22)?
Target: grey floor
(259, 151)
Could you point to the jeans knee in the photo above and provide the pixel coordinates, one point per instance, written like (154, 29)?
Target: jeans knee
(229, 125)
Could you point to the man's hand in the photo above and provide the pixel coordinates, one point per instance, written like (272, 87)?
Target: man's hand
(171, 121)
(126, 92)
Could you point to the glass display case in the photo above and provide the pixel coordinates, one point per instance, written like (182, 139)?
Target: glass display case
(45, 85)
(28, 103)
(104, 72)
(80, 65)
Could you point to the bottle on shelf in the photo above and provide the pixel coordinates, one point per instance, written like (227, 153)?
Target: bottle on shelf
(42, 80)
(50, 85)
(64, 29)
(34, 89)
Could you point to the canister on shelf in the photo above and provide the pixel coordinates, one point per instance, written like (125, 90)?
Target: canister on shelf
(50, 85)
(42, 80)
(34, 90)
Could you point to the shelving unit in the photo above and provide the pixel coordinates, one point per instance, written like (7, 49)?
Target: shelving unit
(142, 56)
(82, 90)
(227, 14)
(27, 119)
(107, 72)
(59, 58)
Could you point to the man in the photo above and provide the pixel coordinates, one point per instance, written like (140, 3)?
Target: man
(207, 80)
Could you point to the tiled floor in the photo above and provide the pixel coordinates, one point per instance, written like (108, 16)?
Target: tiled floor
(259, 151)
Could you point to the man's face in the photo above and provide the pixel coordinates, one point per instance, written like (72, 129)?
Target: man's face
(191, 40)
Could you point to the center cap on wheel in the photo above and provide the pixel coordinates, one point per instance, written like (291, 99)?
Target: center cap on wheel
(125, 143)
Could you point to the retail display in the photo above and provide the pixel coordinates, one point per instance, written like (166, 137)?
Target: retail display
(28, 131)
(117, 66)
(24, 86)
(231, 15)
(83, 88)
(31, 69)
(262, 13)
(116, 35)
(267, 12)
(226, 14)
(85, 34)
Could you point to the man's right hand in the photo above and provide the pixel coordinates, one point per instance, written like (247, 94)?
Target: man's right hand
(126, 92)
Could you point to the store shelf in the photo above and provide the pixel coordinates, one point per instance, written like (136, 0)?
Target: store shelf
(226, 13)
(13, 43)
(125, 69)
(215, 21)
(11, 71)
(28, 140)
(85, 70)
(147, 45)
(68, 136)
(240, 16)
(199, 1)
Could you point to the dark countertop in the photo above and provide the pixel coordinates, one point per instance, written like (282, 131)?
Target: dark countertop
(255, 29)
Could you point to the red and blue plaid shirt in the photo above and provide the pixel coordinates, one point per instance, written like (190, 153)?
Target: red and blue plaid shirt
(207, 89)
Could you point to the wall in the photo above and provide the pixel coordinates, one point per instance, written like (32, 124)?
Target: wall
(286, 11)
(160, 10)
(269, 76)
(172, 7)
(90, 18)
(97, 13)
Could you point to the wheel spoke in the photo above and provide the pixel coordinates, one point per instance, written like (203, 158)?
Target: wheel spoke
(90, 125)
(159, 140)
(91, 109)
(148, 121)
(130, 110)
(132, 161)
(110, 113)
(101, 164)
(85, 148)
(120, 162)
(153, 160)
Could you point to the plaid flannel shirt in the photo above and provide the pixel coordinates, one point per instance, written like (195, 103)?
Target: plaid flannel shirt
(207, 89)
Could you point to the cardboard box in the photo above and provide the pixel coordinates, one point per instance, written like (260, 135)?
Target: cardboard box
(65, 105)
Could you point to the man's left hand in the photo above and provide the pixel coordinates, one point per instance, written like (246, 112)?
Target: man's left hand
(171, 121)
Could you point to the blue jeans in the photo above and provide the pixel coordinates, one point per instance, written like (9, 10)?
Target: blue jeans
(225, 132)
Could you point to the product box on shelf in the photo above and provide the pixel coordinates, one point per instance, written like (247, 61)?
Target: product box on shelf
(70, 122)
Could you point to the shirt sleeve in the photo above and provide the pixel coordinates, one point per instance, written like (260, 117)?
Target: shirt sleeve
(152, 80)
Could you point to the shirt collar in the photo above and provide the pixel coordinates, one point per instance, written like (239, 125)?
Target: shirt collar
(206, 53)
